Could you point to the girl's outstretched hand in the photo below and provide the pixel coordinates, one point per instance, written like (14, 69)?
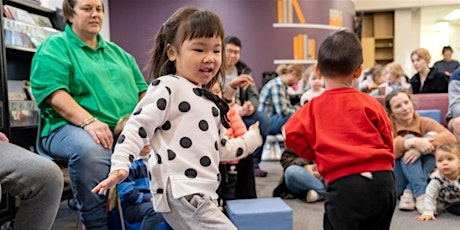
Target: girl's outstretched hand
(111, 181)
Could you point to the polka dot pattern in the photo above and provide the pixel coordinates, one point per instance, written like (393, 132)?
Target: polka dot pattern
(184, 107)
(193, 146)
(131, 158)
(121, 139)
(185, 142)
(203, 125)
(166, 125)
(142, 132)
(171, 155)
(137, 112)
(161, 104)
(191, 173)
(158, 159)
(205, 161)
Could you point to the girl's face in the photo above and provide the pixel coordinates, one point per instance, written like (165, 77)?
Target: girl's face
(418, 63)
(448, 164)
(88, 17)
(198, 59)
(390, 75)
(315, 82)
(402, 109)
(380, 78)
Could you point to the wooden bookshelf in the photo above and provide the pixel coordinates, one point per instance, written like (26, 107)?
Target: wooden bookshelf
(377, 37)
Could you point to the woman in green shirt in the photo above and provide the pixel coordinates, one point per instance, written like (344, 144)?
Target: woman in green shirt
(83, 86)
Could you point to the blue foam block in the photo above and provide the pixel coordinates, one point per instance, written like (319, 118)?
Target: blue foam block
(263, 213)
(431, 113)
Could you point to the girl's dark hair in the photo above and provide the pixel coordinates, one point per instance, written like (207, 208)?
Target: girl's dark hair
(392, 94)
(340, 54)
(185, 24)
(68, 9)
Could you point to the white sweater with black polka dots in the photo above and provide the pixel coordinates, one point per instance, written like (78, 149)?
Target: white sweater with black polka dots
(187, 137)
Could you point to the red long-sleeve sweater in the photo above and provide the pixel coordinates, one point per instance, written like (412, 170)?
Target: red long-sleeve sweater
(344, 131)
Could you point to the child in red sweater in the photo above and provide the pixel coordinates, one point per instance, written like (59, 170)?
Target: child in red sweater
(348, 134)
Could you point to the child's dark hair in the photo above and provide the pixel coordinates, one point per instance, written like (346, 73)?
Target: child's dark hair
(184, 24)
(453, 148)
(340, 54)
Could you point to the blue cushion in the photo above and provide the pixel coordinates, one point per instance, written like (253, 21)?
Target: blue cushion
(264, 213)
(434, 114)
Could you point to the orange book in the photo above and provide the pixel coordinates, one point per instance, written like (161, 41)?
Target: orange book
(298, 11)
(280, 11)
(311, 48)
(300, 41)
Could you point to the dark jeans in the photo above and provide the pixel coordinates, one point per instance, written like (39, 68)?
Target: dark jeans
(263, 126)
(143, 212)
(454, 209)
(356, 202)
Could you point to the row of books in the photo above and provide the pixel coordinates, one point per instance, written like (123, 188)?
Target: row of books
(18, 33)
(287, 8)
(22, 106)
(304, 47)
(18, 14)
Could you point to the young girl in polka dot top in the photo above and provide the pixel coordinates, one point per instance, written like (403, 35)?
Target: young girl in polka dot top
(184, 123)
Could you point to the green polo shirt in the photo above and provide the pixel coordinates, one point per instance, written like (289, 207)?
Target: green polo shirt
(105, 81)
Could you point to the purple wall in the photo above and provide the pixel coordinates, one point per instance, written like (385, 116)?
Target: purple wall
(133, 26)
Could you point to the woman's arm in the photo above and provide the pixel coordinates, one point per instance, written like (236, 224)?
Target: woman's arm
(69, 109)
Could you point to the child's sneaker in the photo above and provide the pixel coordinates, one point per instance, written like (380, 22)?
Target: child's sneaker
(313, 196)
(406, 202)
(419, 203)
(259, 172)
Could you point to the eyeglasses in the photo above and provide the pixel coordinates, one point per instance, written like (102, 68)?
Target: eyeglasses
(232, 51)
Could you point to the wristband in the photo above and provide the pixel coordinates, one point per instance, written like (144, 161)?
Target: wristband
(87, 121)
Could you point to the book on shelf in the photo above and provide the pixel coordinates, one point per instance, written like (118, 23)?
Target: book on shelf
(41, 20)
(286, 10)
(19, 90)
(19, 14)
(335, 17)
(23, 113)
(303, 47)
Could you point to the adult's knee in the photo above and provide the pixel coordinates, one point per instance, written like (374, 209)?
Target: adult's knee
(454, 125)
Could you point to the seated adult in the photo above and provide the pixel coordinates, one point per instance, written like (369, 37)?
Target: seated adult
(83, 86)
(300, 179)
(37, 181)
(453, 113)
(274, 99)
(447, 65)
(247, 100)
(415, 139)
(426, 80)
(395, 80)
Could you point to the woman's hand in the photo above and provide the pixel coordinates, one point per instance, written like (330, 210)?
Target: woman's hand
(423, 145)
(425, 217)
(101, 133)
(114, 178)
(410, 156)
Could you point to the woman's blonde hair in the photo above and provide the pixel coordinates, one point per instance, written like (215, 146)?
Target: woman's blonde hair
(297, 69)
(282, 69)
(423, 54)
(120, 125)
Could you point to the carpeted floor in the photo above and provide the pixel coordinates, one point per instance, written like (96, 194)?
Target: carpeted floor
(306, 216)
